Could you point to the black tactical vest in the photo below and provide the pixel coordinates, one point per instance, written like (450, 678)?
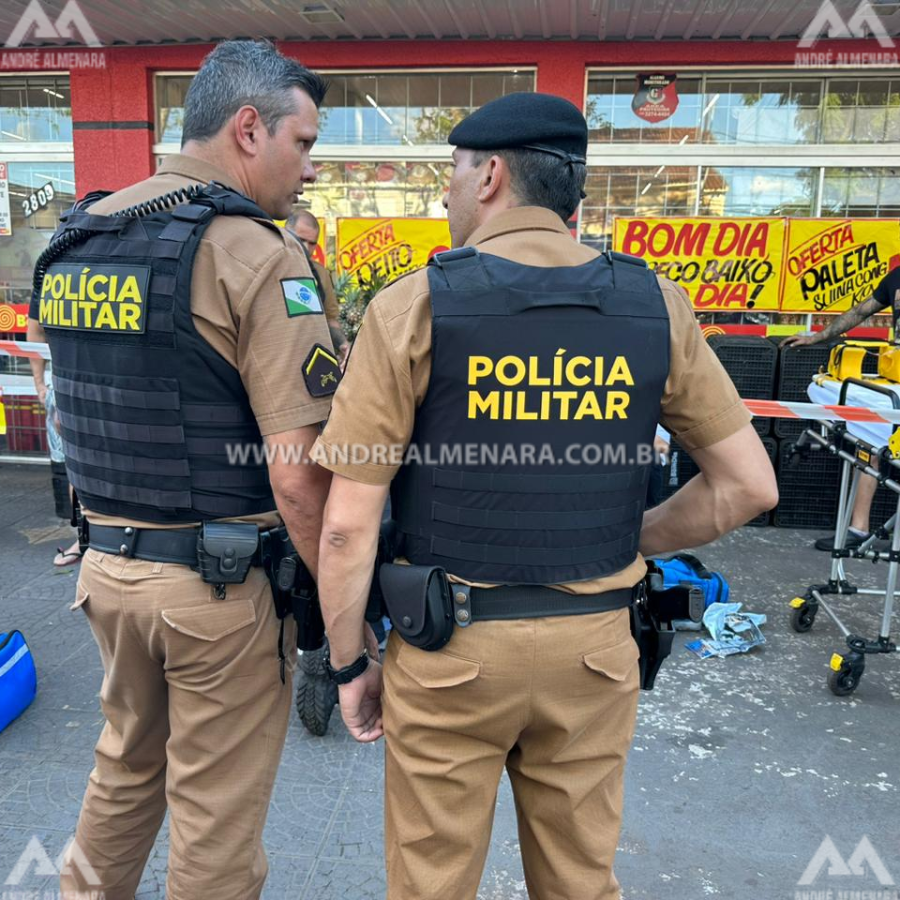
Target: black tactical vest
(531, 450)
(146, 406)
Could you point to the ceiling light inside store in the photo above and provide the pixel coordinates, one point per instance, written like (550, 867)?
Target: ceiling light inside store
(18, 137)
(710, 105)
(54, 93)
(379, 110)
(54, 178)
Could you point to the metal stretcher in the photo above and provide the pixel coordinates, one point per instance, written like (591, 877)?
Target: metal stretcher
(857, 456)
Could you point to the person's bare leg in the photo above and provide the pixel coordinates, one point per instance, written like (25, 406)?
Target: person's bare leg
(865, 494)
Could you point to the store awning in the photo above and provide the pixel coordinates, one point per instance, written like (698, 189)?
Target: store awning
(136, 22)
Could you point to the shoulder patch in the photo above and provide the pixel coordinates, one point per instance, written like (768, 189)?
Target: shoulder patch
(321, 371)
(301, 296)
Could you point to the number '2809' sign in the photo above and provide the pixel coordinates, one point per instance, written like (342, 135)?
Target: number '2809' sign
(38, 199)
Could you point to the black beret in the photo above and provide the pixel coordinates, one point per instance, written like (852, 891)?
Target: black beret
(529, 120)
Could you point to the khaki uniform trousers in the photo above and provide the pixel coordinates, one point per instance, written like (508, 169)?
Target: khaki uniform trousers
(196, 717)
(554, 700)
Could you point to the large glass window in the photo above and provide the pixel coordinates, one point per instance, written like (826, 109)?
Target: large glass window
(391, 108)
(861, 193)
(170, 94)
(634, 191)
(757, 191)
(746, 110)
(611, 118)
(35, 108)
(39, 192)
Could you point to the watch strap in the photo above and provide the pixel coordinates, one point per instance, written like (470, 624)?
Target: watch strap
(348, 673)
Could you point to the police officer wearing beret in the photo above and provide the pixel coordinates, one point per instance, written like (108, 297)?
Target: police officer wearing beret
(518, 337)
(184, 325)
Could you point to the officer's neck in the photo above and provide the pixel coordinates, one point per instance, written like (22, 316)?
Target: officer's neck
(220, 158)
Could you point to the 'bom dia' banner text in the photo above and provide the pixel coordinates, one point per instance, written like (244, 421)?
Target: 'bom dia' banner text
(723, 264)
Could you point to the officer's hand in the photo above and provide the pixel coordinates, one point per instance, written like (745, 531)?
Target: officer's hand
(361, 705)
(42, 394)
(800, 340)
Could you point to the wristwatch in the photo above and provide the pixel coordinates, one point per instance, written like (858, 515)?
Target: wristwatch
(348, 673)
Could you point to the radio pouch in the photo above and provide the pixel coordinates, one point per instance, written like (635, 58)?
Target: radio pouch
(225, 551)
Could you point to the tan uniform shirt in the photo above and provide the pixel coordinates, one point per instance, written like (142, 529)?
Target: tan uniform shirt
(330, 300)
(387, 376)
(238, 307)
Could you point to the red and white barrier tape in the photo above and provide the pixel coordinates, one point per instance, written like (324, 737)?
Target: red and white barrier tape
(775, 409)
(25, 349)
(787, 409)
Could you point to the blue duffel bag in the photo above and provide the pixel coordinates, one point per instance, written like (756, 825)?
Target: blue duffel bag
(685, 568)
(18, 678)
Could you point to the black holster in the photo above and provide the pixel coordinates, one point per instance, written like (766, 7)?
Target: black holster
(293, 588)
(419, 604)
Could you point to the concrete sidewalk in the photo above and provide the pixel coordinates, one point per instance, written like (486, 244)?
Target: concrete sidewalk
(740, 767)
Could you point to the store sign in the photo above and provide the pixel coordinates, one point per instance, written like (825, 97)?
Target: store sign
(13, 318)
(388, 248)
(723, 264)
(655, 98)
(38, 199)
(833, 264)
(5, 217)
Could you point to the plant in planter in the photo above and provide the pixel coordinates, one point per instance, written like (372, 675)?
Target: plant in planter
(354, 295)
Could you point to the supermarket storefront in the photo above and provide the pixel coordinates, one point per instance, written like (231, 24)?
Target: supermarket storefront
(724, 129)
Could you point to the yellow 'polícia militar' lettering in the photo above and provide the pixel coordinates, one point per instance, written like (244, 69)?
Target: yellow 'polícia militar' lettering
(570, 375)
(94, 297)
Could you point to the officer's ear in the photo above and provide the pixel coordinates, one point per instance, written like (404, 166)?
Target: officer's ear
(493, 178)
(247, 125)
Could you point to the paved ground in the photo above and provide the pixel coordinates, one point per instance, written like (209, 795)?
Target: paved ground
(740, 766)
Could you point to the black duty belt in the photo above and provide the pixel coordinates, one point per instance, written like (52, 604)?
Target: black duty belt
(534, 601)
(167, 545)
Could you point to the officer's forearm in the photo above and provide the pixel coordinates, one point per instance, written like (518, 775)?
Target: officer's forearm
(346, 560)
(735, 484)
(35, 333)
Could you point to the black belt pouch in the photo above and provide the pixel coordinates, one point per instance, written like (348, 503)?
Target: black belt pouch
(419, 604)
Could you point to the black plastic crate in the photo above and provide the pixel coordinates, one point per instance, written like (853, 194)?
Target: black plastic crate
(750, 361)
(884, 506)
(808, 489)
(796, 368)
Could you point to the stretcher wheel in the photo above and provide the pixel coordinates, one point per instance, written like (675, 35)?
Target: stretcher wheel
(802, 618)
(846, 672)
(843, 682)
(316, 693)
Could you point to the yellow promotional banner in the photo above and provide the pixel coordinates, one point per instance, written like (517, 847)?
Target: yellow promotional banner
(388, 248)
(833, 264)
(723, 264)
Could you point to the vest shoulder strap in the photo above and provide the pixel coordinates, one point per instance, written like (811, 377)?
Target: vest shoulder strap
(630, 273)
(459, 270)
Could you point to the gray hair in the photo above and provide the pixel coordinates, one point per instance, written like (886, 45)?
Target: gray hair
(245, 73)
(541, 179)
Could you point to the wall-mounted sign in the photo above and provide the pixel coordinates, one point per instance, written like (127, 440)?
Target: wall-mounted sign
(655, 97)
(38, 199)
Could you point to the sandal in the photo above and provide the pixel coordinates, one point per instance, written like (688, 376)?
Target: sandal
(65, 558)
